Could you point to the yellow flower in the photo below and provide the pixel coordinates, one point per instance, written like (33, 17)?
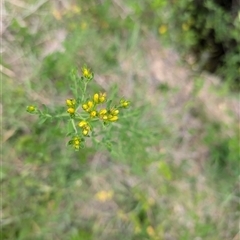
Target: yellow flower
(99, 98)
(93, 113)
(112, 118)
(150, 231)
(162, 29)
(85, 131)
(31, 109)
(71, 102)
(96, 98)
(114, 111)
(85, 127)
(103, 196)
(102, 97)
(75, 142)
(85, 107)
(102, 112)
(71, 110)
(82, 124)
(105, 117)
(124, 103)
(86, 72)
(88, 106)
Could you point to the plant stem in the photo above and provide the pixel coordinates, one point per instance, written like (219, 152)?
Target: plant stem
(76, 88)
(62, 115)
(84, 91)
(74, 127)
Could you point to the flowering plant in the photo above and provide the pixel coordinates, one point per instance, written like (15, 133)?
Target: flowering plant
(84, 111)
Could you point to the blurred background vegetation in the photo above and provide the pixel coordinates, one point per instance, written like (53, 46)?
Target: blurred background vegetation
(173, 169)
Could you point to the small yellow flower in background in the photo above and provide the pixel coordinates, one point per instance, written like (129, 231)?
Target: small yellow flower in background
(151, 201)
(163, 29)
(150, 231)
(122, 215)
(86, 72)
(75, 9)
(31, 109)
(103, 196)
(71, 110)
(185, 26)
(83, 25)
(57, 14)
